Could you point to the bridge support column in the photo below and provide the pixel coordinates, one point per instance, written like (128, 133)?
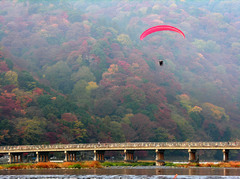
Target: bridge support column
(160, 157)
(129, 155)
(15, 157)
(9, 157)
(225, 155)
(42, 157)
(99, 155)
(18, 157)
(70, 156)
(192, 155)
(37, 157)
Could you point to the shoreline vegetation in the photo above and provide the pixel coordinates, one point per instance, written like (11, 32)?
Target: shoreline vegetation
(96, 164)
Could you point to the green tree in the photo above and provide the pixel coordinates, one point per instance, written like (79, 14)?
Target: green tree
(60, 76)
(31, 131)
(26, 81)
(81, 95)
(160, 135)
(213, 132)
(209, 46)
(83, 73)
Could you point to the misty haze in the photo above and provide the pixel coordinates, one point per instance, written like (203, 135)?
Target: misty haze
(77, 72)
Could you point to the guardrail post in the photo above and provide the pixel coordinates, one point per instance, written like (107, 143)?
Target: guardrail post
(225, 155)
(160, 157)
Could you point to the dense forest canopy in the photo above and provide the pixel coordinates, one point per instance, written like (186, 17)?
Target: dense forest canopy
(76, 71)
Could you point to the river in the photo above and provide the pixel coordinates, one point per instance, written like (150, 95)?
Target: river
(125, 173)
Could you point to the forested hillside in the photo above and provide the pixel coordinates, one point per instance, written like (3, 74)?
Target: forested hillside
(76, 71)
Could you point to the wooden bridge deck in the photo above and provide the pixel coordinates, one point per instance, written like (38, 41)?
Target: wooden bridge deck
(122, 146)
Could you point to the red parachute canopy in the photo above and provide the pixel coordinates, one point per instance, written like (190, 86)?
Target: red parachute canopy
(160, 28)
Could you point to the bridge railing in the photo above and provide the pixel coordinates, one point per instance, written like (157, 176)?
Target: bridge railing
(119, 145)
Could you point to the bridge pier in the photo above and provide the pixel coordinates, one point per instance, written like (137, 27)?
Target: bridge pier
(225, 155)
(42, 157)
(192, 155)
(129, 155)
(15, 158)
(160, 157)
(99, 155)
(70, 156)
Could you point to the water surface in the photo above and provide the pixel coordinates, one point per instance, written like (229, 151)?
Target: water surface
(125, 172)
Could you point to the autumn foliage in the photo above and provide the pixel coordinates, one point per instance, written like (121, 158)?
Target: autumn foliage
(52, 165)
(74, 72)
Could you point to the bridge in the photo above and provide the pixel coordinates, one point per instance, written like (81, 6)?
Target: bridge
(42, 151)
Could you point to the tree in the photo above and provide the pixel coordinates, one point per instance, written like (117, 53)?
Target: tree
(160, 135)
(26, 81)
(8, 104)
(143, 127)
(31, 131)
(3, 67)
(105, 106)
(212, 131)
(211, 111)
(60, 76)
(11, 77)
(83, 73)
(124, 40)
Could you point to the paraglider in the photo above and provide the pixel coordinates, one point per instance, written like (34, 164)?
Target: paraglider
(160, 28)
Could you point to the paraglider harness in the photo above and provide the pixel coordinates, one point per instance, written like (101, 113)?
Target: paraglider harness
(161, 62)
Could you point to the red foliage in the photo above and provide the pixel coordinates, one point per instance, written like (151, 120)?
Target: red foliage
(52, 137)
(3, 66)
(8, 104)
(38, 91)
(142, 126)
(69, 117)
(124, 65)
(129, 133)
(9, 88)
(23, 101)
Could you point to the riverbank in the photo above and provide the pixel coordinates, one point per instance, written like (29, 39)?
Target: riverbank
(96, 164)
(51, 165)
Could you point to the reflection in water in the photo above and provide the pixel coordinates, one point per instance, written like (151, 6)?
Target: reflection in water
(125, 172)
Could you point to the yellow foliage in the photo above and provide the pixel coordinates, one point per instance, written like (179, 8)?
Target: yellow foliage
(196, 109)
(91, 85)
(79, 59)
(184, 97)
(126, 118)
(215, 111)
(184, 100)
(113, 68)
(11, 77)
(124, 39)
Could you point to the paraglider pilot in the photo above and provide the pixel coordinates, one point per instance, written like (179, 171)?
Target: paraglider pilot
(161, 62)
